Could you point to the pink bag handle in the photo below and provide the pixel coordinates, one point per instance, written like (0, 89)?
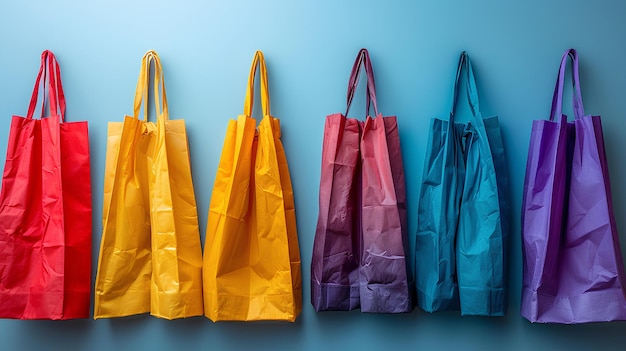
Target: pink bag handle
(362, 59)
(52, 74)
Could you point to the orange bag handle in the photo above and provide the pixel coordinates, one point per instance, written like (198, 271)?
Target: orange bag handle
(265, 96)
(141, 92)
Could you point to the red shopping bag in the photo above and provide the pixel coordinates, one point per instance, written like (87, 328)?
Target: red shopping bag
(45, 211)
(360, 248)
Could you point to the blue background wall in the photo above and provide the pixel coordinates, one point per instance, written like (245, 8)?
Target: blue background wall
(206, 48)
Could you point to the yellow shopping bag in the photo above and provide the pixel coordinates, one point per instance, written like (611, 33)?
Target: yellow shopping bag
(150, 255)
(251, 268)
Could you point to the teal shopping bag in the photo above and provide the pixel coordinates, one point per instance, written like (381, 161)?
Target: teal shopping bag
(463, 213)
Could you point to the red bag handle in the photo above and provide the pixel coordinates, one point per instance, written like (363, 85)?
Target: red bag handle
(362, 59)
(51, 72)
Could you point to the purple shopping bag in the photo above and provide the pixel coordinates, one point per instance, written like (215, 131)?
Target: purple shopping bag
(573, 270)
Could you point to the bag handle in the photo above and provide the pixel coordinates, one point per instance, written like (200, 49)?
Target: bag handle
(51, 72)
(259, 60)
(557, 98)
(472, 98)
(362, 59)
(141, 92)
(470, 87)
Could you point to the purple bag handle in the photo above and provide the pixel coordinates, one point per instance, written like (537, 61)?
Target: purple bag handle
(362, 59)
(557, 98)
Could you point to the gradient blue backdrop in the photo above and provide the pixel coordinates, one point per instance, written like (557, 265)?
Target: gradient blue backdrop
(206, 48)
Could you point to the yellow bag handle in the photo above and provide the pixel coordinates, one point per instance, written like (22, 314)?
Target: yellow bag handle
(265, 96)
(141, 92)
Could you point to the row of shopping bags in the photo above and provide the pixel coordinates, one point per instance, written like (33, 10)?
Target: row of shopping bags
(360, 255)
(573, 270)
(150, 258)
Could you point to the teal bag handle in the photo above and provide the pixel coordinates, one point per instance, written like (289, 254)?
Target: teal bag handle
(470, 87)
(472, 98)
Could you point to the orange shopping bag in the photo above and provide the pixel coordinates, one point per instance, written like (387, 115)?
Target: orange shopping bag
(150, 255)
(251, 268)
